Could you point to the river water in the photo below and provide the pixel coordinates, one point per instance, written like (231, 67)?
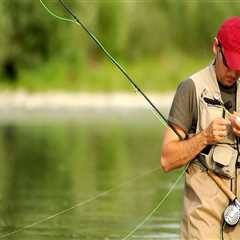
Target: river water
(91, 176)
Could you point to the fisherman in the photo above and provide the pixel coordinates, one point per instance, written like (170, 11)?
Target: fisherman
(205, 112)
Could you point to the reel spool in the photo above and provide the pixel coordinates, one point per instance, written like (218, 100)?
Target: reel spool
(232, 213)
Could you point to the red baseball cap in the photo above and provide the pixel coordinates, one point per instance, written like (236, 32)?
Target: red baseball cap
(229, 38)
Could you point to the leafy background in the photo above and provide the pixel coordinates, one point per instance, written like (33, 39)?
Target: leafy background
(160, 42)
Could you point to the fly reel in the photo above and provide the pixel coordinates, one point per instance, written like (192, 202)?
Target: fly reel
(232, 213)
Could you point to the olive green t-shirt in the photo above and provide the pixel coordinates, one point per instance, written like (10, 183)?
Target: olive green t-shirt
(183, 112)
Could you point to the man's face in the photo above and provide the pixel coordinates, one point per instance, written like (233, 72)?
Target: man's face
(225, 75)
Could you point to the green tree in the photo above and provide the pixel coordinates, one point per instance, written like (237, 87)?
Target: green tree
(29, 36)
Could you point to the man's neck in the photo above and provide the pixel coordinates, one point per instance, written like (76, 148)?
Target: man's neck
(227, 87)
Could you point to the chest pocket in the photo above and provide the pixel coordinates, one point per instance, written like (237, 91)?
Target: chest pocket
(222, 160)
(208, 112)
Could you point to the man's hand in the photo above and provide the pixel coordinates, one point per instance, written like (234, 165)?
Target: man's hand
(235, 121)
(216, 131)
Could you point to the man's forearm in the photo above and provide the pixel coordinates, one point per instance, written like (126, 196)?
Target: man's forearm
(178, 153)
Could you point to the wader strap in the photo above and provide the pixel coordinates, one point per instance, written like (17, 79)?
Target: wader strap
(200, 161)
(237, 164)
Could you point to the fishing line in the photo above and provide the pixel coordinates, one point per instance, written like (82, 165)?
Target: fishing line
(156, 208)
(82, 203)
(54, 15)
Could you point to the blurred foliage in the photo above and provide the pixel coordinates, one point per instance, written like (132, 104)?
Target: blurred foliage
(131, 30)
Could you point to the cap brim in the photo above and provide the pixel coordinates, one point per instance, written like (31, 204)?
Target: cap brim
(233, 59)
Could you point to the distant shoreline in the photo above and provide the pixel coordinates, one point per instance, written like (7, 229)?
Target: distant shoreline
(25, 101)
(40, 107)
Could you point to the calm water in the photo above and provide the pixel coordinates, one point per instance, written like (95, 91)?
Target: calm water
(102, 163)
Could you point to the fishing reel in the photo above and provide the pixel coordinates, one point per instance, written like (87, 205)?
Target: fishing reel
(232, 213)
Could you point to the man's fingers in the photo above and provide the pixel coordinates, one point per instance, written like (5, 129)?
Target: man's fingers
(220, 121)
(236, 130)
(219, 133)
(221, 128)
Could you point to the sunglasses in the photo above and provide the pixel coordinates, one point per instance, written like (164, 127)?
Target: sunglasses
(223, 56)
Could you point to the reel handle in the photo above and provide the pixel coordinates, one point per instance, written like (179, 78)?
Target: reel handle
(222, 186)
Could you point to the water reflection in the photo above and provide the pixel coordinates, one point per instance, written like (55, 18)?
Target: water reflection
(50, 166)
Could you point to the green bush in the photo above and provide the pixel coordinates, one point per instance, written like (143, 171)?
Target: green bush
(131, 30)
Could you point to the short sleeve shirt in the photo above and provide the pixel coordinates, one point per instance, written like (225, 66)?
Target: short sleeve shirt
(184, 113)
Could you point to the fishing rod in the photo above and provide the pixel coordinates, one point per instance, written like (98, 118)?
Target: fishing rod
(119, 67)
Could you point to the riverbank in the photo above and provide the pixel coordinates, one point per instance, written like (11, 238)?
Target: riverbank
(24, 101)
(24, 105)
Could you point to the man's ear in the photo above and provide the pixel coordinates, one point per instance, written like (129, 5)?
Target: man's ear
(215, 46)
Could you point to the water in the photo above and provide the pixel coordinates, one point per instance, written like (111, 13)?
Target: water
(103, 163)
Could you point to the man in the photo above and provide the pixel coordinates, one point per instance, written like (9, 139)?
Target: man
(205, 113)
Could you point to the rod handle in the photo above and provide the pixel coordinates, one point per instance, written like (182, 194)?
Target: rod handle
(222, 185)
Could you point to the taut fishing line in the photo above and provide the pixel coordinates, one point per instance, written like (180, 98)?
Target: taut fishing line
(156, 208)
(153, 107)
(82, 203)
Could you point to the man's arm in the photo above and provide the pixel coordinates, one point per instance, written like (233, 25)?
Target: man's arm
(176, 153)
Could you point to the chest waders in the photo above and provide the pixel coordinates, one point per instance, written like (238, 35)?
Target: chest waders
(232, 212)
(221, 158)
